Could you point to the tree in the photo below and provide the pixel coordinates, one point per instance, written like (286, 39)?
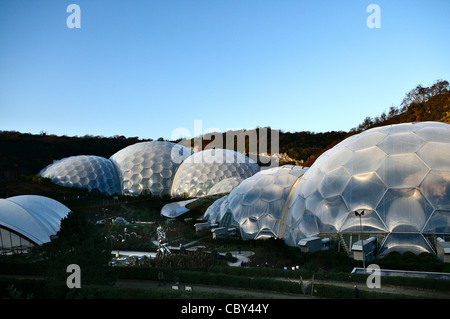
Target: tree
(79, 242)
(439, 87)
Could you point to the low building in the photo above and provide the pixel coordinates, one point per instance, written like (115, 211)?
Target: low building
(369, 248)
(443, 250)
(310, 244)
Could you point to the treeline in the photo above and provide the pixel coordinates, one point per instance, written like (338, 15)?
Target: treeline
(27, 153)
(304, 146)
(419, 105)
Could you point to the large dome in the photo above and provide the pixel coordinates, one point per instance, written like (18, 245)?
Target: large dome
(84, 171)
(399, 175)
(29, 220)
(149, 167)
(202, 170)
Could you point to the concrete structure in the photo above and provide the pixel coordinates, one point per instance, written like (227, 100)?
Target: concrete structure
(443, 250)
(311, 244)
(370, 244)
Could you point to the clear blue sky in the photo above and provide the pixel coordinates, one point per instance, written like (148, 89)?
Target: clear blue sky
(145, 68)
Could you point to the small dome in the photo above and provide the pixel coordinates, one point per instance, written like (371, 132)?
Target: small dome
(257, 205)
(84, 171)
(201, 171)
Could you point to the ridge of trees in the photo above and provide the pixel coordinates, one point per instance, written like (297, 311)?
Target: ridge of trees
(25, 153)
(420, 104)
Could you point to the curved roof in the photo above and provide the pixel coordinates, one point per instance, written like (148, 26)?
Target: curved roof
(148, 167)
(202, 170)
(33, 217)
(84, 171)
(257, 204)
(225, 186)
(215, 212)
(398, 174)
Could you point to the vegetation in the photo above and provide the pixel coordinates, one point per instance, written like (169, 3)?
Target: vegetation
(419, 105)
(78, 242)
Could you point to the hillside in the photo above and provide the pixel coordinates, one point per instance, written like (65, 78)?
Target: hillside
(24, 153)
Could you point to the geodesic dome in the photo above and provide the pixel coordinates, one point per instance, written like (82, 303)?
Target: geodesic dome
(257, 204)
(202, 170)
(148, 167)
(399, 175)
(29, 220)
(215, 212)
(84, 171)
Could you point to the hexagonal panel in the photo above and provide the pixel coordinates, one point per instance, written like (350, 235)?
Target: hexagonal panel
(331, 213)
(436, 188)
(249, 228)
(401, 143)
(439, 223)
(436, 155)
(272, 193)
(365, 161)
(370, 139)
(435, 134)
(405, 170)
(404, 210)
(364, 191)
(334, 182)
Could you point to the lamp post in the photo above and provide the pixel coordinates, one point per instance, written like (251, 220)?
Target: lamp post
(360, 213)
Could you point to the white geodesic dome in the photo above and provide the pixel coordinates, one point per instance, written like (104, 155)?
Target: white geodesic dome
(215, 212)
(84, 171)
(257, 204)
(399, 175)
(148, 167)
(202, 170)
(29, 220)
